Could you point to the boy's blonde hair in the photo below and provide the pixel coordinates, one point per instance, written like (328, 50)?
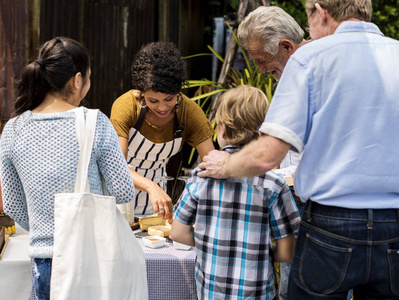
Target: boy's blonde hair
(242, 110)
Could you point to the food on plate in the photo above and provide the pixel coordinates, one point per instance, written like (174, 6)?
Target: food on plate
(159, 230)
(151, 220)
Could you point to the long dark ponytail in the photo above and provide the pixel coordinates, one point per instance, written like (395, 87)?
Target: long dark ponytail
(59, 60)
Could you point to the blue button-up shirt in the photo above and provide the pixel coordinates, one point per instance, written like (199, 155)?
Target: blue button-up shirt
(338, 102)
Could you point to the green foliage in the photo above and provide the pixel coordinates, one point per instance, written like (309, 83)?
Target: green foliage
(250, 75)
(296, 8)
(385, 14)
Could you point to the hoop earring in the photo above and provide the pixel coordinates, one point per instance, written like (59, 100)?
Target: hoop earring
(177, 102)
(142, 104)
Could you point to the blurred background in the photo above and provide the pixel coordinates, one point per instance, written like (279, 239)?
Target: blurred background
(114, 30)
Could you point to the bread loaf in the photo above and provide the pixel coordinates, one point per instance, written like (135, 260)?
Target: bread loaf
(151, 220)
(159, 230)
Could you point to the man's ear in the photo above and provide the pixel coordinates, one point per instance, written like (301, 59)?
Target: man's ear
(322, 12)
(287, 46)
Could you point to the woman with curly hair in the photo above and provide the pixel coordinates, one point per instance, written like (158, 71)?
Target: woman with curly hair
(153, 120)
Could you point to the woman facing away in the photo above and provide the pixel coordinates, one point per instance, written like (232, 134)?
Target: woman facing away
(39, 149)
(153, 120)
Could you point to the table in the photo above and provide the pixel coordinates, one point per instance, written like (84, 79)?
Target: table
(15, 268)
(170, 273)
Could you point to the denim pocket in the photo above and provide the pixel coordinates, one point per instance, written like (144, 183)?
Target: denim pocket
(393, 260)
(323, 266)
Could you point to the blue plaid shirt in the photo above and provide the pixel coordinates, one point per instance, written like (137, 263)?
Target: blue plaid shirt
(235, 221)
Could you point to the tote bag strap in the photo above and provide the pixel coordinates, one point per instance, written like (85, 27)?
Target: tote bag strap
(85, 133)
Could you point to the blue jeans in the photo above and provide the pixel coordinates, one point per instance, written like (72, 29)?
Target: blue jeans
(41, 277)
(339, 249)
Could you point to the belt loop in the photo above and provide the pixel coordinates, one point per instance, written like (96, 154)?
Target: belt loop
(369, 219)
(309, 210)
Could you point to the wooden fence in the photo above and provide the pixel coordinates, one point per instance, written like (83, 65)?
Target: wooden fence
(112, 30)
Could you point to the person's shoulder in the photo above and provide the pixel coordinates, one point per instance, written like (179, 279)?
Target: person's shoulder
(190, 113)
(189, 105)
(273, 176)
(12, 129)
(193, 177)
(126, 101)
(125, 110)
(9, 128)
(306, 53)
(10, 123)
(15, 123)
(194, 180)
(102, 118)
(271, 180)
(128, 96)
(103, 122)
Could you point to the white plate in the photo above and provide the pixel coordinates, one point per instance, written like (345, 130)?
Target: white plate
(154, 241)
(180, 246)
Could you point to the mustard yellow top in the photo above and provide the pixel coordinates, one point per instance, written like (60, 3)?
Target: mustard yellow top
(197, 128)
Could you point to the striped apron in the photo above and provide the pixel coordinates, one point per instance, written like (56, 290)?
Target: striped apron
(149, 159)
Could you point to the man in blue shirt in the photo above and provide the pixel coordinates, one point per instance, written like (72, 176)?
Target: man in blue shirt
(337, 103)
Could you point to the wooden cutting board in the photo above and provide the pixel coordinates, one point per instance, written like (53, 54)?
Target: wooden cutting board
(3, 249)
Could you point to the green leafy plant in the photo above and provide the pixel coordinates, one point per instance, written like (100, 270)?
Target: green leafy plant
(206, 89)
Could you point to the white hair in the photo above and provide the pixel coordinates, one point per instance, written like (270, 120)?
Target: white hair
(269, 24)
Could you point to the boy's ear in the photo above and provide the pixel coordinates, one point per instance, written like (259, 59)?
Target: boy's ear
(221, 127)
(220, 130)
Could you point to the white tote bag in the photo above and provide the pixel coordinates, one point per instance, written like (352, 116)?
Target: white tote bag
(96, 255)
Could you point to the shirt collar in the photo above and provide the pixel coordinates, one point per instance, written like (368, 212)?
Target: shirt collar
(232, 149)
(358, 26)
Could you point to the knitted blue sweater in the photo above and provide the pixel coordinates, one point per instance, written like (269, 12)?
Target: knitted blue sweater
(38, 158)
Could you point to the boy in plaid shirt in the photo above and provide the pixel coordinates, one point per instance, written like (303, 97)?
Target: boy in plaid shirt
(237, 218)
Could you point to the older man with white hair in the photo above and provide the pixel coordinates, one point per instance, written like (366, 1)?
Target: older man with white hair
(271, 36)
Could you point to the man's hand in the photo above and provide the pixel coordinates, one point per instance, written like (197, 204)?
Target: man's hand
(214, 165)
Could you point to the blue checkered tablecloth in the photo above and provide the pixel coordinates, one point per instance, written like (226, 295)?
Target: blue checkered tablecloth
(170, 273)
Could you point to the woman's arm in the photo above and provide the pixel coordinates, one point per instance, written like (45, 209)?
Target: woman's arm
(13, 194)
(158, 197)
(205, 147)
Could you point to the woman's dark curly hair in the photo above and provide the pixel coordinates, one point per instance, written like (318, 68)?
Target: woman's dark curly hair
(159, 67)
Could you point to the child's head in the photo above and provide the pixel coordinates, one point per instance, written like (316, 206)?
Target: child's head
(239, 113)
